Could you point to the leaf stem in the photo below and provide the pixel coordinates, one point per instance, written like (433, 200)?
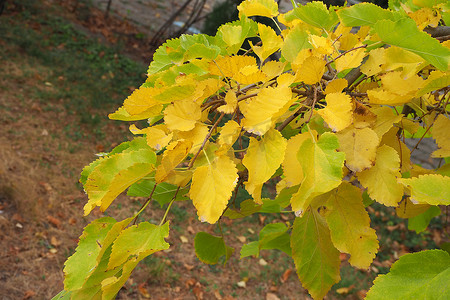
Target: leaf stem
(168, 207)
(144, 205)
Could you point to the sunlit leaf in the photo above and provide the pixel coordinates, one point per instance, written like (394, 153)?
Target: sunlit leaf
(441, 134)
(363, 14)
(338, 112)
(359, 146)
(350, 225)
(175, 153)
(264, 8)
(311, 70)
(350, 60)
(211, 188)
(381, 179)
(182, 115)
(431, 188)
(262, 159)
(316, 14)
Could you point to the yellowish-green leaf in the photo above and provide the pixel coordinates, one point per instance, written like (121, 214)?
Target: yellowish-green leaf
(441, 133)
(137, 241)
(265, 108)
(322, 169)
(262, 159)
(338, 112)
(359, 146)
(114, 174)
(395, 57)
(437, 80)
(349, 225)
(392, 140)
(315, 257)
(407, 209)
(264, 8)
(175, 153)
(431, 188)
(182, 115)
(211, 188)
(381, 179)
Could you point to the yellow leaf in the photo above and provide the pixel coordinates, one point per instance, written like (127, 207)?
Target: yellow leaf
(231, 103)
(122, 114)
(374, 63)
(321, 44)
(359, 146)
(336, 86)
(395, 83)
(408, 209)
(196, 136)
(338, 112)
(158, 136)
(250, 74)
(425, 17)
(211, 188)
(300, 59)
(228, 66)
(141, 100)
(385, 120)
(392, 140)
(381, 179)
(350, 60)
(229, 134)
(311, 70)
(179, 177)
(292, 169)
(182, 115)
(441, 133)
(262, 111)
(383, 97)
(262, 159)
(285, 79)
(264, 8)
(410, 62)
(273, 68)
(349, 225)
(271, 42)
(431, 188)
(363, 116)
(175, 153)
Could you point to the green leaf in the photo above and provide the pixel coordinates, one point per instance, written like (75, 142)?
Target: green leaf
(113, 174)
(415, 276)
(349, 225)
(247, 207)
(316, 259)
(79, 266)
(138, 241)
(182, 49)
(405, 34)
(63, 295)
(420, 223)
(364, 14)
(430, 188)
(209, 249)
(316, 14)
(296, 40)
(272, 236)
(233, 34)
(322, 169)
(163, 193)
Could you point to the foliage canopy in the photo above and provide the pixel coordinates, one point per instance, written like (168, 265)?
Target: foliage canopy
(326, 120)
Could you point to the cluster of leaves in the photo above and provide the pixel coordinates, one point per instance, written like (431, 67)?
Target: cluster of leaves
(328, 120)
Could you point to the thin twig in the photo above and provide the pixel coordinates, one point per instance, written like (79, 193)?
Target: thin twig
(343, 53)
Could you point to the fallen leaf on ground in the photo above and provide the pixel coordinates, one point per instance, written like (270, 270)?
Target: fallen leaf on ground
(271, 296)
(286, 275)
(143, 291)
